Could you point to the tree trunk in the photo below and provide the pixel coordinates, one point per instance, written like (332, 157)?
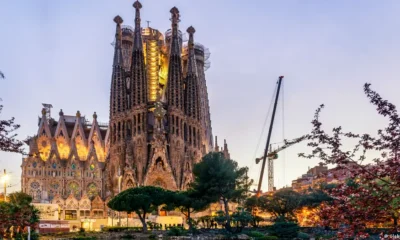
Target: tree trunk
(228, 218)
(189, 220)
(143, 220)
(395, 221)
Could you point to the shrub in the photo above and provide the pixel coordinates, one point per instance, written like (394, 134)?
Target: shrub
(176, 231)
(127, 236)
(285, 229)
(256, 235)
(260, 236)
(152, 236)
(121, 229)
(303, 235)
(327, 236)
(154, 226)
(23, 236)
(83, 238)
(270, 238)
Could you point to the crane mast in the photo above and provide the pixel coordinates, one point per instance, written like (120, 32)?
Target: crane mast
(270, 174)
(270, 163)
(272, 155)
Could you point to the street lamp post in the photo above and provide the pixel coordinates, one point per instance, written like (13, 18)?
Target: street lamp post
(5, 178)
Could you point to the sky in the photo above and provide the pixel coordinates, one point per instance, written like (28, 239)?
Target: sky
(59, 52)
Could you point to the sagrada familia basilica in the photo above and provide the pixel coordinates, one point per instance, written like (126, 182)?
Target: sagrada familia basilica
(159, 126)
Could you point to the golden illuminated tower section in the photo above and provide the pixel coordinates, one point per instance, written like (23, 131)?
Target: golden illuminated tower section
(153, 43)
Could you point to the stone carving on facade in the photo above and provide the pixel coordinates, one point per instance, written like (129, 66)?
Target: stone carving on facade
(59, 200)
(71, 203)
(84, 203)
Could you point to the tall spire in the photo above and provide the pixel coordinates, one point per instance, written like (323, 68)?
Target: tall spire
(191, 66)
(175, 78)
(118, 42)
(138, 31)
(175, 46)
(192, 94)
(118, 87)
(139, 80)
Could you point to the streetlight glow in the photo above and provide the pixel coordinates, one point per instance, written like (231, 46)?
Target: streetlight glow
(5, 178)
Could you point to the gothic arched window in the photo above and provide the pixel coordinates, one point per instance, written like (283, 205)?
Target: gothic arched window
(73, 188)
(92, 190)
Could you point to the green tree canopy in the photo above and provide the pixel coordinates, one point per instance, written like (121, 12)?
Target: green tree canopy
(189, 202)
(141, 200)
(217, 178)
(20, 198)
(17, 213)
(314, 198)
(281, 204)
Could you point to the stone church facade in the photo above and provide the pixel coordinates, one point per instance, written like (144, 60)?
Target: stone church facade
(159, 125)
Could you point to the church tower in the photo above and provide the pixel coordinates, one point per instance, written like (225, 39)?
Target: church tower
(156, 118)
(192, 127)
(118, 105)
(138, 113)
(118, 89)
(175, 97)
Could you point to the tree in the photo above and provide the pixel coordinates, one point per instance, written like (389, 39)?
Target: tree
(374, 189)
(141, 200)
(217, 178)
(282, 204)
(314, 198)
(20, 198)
(242, 218)
(18, 213)
(252, 205)
(8, 141)
(6, 211)
(189, 202)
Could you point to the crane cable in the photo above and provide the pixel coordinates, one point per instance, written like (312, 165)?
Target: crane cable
(263, 128)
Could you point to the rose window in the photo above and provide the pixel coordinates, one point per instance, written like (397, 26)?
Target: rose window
(35, 185)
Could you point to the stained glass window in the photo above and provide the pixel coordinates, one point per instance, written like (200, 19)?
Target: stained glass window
(54, 165)
(92, 190)
(73, 166)
(73, 188)
(34, 164)
(92, 167)
(35, 185)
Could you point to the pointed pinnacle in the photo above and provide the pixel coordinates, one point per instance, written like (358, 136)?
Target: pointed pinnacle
(174, 10)
(118, 19)
(137, 5)
(191, 30)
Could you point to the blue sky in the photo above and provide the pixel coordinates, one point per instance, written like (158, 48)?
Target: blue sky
(59, 52)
